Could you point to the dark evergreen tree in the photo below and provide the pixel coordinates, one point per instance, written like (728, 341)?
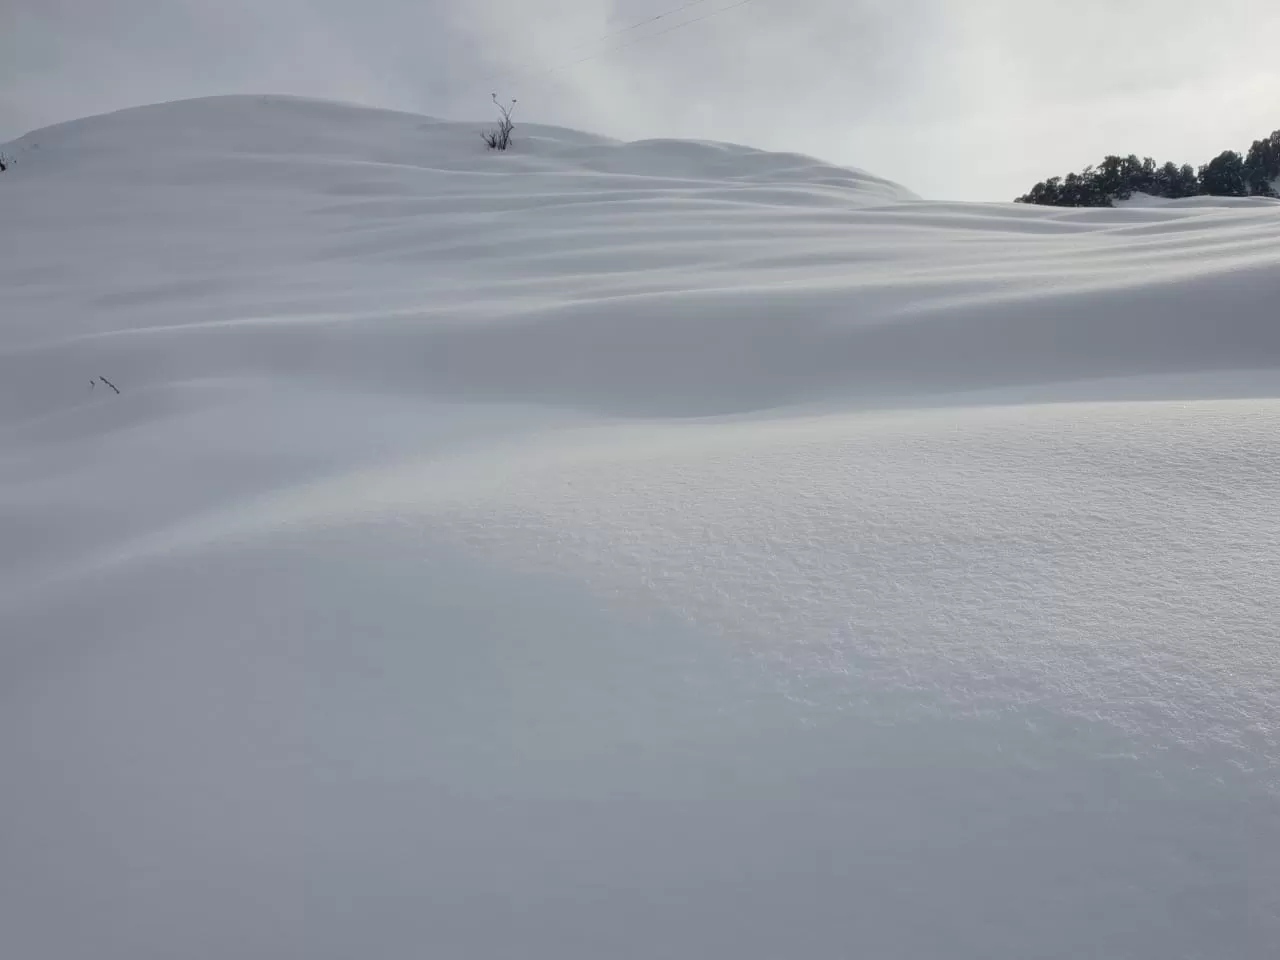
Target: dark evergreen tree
(1223, 176)
(1140, 175)
(1046, 193)
(1109, 179)
(1116, 178)
(1186, 183)
(1119, 178)
(1262, 166)
(1073, 190)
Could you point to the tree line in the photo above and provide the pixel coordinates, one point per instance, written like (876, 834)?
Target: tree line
(1118, 178)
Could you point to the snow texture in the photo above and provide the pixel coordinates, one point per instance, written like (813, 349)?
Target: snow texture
(662, 549)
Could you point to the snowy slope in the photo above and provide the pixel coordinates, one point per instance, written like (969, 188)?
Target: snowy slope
(624, 550)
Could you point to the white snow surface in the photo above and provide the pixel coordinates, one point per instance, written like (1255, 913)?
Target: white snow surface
(661, 549)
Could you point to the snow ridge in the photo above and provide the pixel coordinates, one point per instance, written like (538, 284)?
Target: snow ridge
(649, 278)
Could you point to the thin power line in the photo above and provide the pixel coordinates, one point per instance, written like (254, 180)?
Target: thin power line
(621, 31)
(651, 36)
(559, 68)
(636, 26)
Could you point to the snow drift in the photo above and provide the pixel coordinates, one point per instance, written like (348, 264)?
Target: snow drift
(613, 549)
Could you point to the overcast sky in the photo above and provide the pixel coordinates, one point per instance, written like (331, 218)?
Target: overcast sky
(957, 99)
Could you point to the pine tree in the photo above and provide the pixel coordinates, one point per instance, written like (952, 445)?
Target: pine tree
(1262, 166)
(1188, 183)
(1109, 179)
(1223, 176)
(1118, 178)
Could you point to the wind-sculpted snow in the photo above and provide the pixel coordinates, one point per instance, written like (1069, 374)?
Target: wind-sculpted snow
(623, 550)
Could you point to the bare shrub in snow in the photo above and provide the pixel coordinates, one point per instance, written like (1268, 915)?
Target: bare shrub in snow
(500, 137)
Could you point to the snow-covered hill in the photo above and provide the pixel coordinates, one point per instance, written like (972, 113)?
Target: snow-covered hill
(623, 550)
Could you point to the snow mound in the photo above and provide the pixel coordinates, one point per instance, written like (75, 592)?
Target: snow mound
(623, 550)
(248, 236)
(294, 128)
(1198, 203)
